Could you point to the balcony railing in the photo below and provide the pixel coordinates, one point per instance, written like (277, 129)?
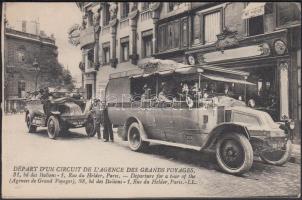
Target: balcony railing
(124, 23)
(145, 15)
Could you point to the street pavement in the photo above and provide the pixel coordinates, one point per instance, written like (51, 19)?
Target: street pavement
(76, 149)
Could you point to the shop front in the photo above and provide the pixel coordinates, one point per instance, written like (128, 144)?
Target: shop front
(267, 58)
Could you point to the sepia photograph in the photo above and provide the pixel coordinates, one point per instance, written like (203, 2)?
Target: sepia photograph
(151, 99)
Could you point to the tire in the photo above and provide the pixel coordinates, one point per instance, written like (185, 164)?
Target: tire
(134, 138)
(90, 127)
(31, 128)
(234, 153)
(279, 157)
(53, 127)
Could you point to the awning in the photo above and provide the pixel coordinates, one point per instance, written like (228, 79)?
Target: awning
(188, 70)
(253, 10)
(223, 79)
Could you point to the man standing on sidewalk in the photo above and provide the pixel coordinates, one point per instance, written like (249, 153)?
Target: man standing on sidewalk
(97, 114)
(107, 132)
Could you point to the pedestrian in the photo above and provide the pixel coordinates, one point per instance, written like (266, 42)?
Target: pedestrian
(107, 125)
(97, 116)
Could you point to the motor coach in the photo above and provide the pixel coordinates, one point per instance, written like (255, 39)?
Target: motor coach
(196, 107)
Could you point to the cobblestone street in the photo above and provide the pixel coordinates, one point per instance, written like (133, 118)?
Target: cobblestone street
(76, 149)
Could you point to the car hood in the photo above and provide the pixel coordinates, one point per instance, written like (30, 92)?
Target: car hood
(266, 120)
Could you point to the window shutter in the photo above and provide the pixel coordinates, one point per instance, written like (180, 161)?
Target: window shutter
(211, 26)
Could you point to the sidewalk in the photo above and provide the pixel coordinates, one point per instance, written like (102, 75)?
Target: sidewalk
(296, 154)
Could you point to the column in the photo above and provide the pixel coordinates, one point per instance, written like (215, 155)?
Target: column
(113, 60)
(133, 24)
(284, 94)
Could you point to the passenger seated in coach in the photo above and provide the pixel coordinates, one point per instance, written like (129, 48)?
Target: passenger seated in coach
(163, 94)
(146, 95)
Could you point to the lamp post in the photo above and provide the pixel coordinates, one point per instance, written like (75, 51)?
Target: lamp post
(37, 69)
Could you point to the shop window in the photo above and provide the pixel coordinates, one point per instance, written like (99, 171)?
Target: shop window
(89, 58)
(89, 91)
(212, 26)
(288, 12)
(184, 33)
(106, 53)
(125, 49)
(145, 5)
(124, 10)
(147, 46)
(196, 29)
(20, 56)
(255, 25)
(21, 89)
(106, 13)
(169, 35)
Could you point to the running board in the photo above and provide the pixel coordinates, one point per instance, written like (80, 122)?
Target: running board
(185, 146)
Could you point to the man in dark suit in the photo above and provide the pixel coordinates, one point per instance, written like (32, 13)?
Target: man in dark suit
(107, 132)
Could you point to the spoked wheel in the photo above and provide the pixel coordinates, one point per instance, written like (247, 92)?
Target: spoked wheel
(90, 127)
(31, 128)
(234, 153)
(134, 138)
(277, 157)
(53, 127)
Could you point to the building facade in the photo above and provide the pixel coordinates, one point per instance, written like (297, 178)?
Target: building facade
(30, 60)
(261, 38)
(114, 38)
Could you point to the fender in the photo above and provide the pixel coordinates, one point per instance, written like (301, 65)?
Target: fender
(55, 112)
(129, 121)
(225, 127)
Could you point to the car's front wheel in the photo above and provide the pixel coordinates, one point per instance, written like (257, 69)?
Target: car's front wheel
(53, 127)
(31, 128)
(134, 138)
(90, 127)
(277, 157)
(234, 153)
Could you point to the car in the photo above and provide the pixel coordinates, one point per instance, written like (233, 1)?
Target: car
(58, 111)
(220, 121)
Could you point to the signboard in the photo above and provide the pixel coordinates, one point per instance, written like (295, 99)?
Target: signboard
(74, 35)
(87, 36)
(241, 52)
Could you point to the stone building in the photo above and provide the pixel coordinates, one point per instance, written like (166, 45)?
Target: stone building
(114, 38)
(30, 62)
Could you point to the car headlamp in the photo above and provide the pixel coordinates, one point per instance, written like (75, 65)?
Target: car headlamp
(252, 103)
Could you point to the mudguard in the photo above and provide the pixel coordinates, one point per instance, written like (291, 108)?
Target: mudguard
(129, 121)
(226, 127)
